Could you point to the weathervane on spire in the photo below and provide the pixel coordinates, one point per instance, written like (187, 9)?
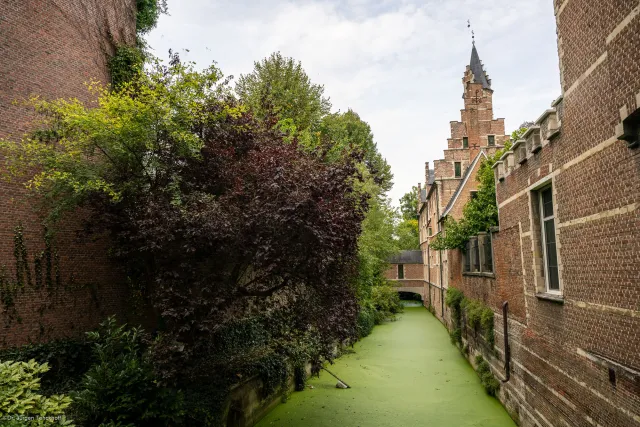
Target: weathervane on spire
(473, 34)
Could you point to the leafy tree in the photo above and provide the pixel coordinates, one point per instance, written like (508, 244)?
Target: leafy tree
(345, 132)
(213, 215)
(279, 87)
(409, 204)
(407, 234)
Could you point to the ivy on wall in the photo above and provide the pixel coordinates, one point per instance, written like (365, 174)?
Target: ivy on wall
(45, 272)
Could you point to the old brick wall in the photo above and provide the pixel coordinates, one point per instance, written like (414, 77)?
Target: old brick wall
(576, 360)
(51, 49)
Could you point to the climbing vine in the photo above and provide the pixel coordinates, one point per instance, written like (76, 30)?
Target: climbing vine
(47, 260)
(128, 61)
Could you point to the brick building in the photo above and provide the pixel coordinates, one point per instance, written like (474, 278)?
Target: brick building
(452, 181)
(406, 272)
(51, 49)
(566, 254)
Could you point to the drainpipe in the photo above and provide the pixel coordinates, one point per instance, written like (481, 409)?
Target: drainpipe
(507, 349)
(429, 272)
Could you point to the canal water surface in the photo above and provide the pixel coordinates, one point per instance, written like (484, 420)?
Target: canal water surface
(406, 373)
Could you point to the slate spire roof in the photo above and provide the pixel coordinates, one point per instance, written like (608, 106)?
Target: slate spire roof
(479, 75)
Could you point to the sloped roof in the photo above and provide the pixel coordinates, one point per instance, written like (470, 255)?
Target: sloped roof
(406, 257)
(479, 75)
(464, 180)
(432, 176)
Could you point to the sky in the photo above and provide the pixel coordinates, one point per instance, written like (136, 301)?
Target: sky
(397, 63)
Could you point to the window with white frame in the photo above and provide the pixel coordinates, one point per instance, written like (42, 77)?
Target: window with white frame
(548, 239)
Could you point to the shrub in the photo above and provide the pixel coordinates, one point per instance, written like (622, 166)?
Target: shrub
(68, 361)
(386, 300)
(121, 386)
(19, 383)
(366, 322)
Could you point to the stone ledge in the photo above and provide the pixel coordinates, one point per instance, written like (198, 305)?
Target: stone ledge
(479, 274)
(550, 297)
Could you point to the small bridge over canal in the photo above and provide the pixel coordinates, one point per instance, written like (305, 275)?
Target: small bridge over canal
(407, 272)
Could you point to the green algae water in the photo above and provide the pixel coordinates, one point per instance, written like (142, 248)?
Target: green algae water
(406, 373)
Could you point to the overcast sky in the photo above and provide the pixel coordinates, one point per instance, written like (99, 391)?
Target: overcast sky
(397, 63)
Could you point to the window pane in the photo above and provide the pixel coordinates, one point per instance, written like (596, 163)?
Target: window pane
(467, 256)
(492, 140)
(547, 202)
(487, 255)
(465, 142)
(458, 169)
(552, 255)
(400, 271)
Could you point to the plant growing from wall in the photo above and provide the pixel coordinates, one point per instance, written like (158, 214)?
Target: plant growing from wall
(489, 382)
(480, 213)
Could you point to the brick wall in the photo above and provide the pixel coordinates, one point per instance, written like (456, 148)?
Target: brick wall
(575, 355)
(51, 48)
(576, 358)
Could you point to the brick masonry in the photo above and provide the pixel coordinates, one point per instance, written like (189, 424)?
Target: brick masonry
(51, 49)
(575, 357)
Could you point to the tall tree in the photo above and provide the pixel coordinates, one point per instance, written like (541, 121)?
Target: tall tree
(409, 204)
(213, 215)
(407, 235)
(346, 132)
(279, 87)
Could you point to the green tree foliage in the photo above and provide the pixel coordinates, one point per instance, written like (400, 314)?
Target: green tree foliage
(279, 86)
(409, 204)
(481, 212)
(407, 235)
(346, 132)
(19, 397)
(213, 215)
(375, 245)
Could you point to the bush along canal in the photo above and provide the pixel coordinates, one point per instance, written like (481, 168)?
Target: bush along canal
(406, 373)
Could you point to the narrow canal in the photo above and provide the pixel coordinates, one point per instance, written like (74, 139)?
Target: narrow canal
(406, 373)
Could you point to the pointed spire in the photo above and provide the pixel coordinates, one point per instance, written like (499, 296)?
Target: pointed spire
(479, 76)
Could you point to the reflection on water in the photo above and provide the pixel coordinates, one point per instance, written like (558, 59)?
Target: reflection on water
(411, 303)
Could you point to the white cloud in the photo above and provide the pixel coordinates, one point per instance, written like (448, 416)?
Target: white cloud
(398, 63)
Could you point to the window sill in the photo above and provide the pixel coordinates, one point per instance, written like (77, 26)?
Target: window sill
(480, 274)
(550, 297)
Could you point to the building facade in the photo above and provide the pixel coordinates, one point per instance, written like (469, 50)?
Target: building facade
(406, 272)
(452, 181)
(566, 254)
(53, 288)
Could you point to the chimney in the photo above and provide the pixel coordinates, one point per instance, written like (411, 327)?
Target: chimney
(426, 174)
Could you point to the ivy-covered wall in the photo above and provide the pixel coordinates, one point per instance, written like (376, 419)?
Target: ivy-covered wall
(75, 40)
